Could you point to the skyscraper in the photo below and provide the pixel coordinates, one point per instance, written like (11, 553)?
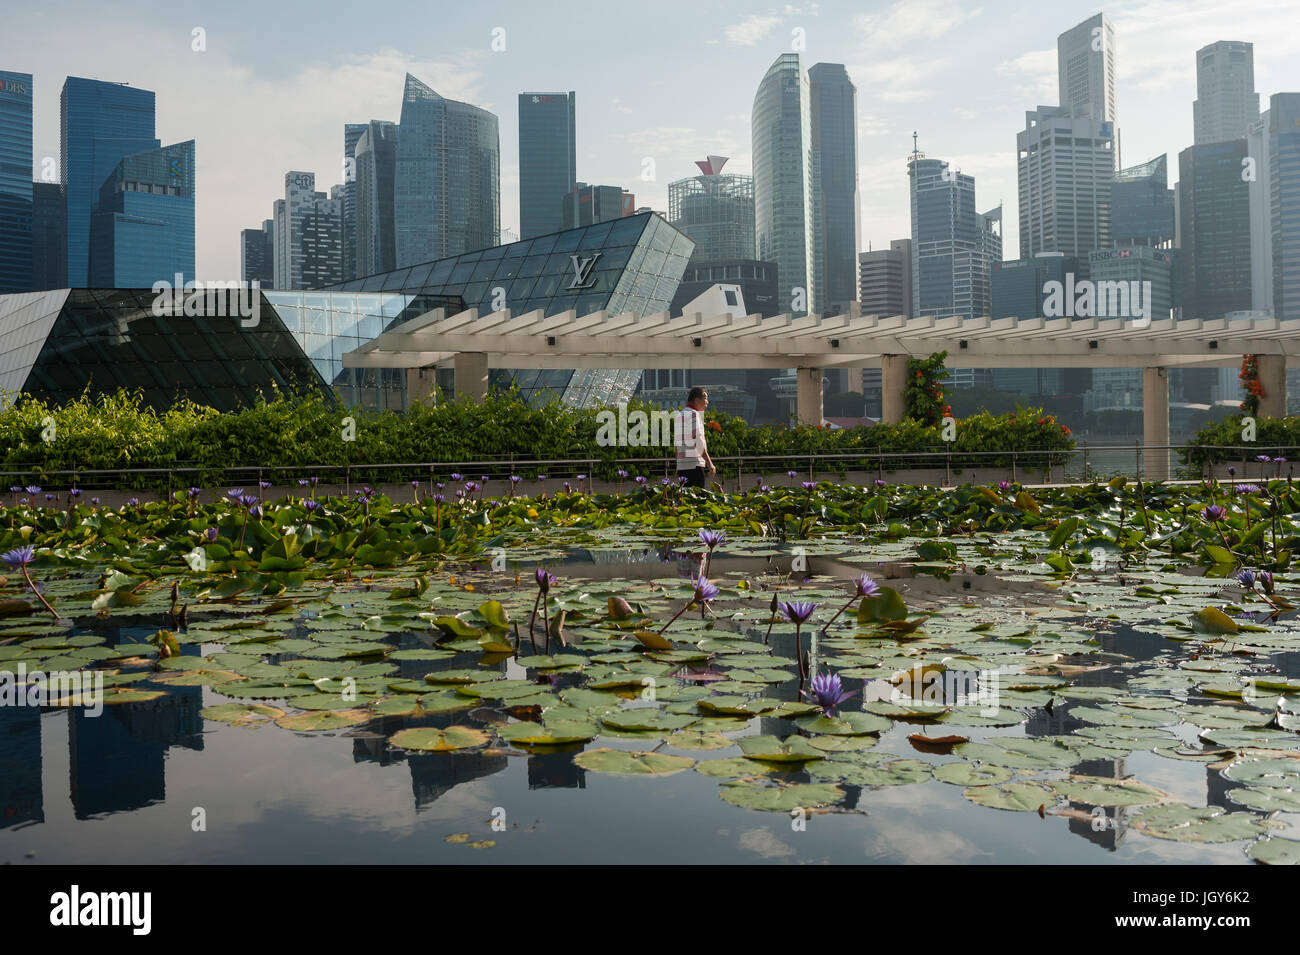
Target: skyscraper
(351, 133)
(1259, 186)
(1085, 69)
(781, 127)
(447, 186)
(376, 156)
(257, 255)
(308, 234)
(100, 124)
(588, 204)
(15, 182)
(953, 246)
(834, 129)
(1064, 170)
(885, 277)
(548, 166)
(1284, 193)
(1214, 226)
(49, 237)
(1226, 101)
(1142, 205)
(716, 210)
(142, 227)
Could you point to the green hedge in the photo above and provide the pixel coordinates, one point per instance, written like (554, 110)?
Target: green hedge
(1222, 443)
(118, 431)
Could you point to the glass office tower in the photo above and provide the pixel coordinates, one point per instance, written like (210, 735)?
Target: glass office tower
(100, 124)
(447, 185)
(548, 167)
(782, 149)
(15, 182)
(142, 229)
(835, 185)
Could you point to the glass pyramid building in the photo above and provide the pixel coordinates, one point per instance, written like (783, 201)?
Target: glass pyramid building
(59, 343)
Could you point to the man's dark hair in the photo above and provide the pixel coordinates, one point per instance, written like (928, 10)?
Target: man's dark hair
(696, 392)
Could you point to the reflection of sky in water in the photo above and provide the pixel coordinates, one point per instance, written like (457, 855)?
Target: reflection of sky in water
(123, 787)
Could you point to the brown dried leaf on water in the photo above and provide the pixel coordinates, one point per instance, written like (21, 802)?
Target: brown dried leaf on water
(941, 745)
(619, 609)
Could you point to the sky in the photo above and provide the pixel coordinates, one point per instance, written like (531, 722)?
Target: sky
(670, 81)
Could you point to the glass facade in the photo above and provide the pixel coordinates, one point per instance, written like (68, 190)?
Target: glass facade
(351, 134)
(15, 182)
(142, 229)
(1214, 225)
(376, 155)
(782, 151)
(717, 212)
(100, 124)
(54, 345)
(446, 189)
(835, 188)
(1142, 205)
(49, 237)
(548, 169)
(633, 264)
(1284, 198)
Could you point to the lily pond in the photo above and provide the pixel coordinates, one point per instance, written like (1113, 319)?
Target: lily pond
(813, 673)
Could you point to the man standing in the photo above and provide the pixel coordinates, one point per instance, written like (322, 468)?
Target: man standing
(692, 450)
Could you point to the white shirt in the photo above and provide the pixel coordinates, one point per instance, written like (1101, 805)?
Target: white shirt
(688, 435)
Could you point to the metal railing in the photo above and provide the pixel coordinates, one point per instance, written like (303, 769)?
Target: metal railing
(1081, 464)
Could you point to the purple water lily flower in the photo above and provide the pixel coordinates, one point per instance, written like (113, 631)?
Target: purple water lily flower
(1247, 579)
(263, 484)
(1232, 472)
(19, 556)
(49, 497)
(621, 474)
(515, 479)
(1263, 459)
(798, 611)
(235, 493)
(457, 477)
(712, 539)
(75, 492)
(808, 485)
(705, 590)
(1266, 581)
(311, 505)
(880, 483)
(1214, 513)
(1004, 486)
(438, 499)
(303, 482)
(192, 493)
(212, 535)
(865, 586)
(33, 489)
(828, 692)
(94, 501)
(133, 502)
(764, 488)
(545, 580)
(1248, 489)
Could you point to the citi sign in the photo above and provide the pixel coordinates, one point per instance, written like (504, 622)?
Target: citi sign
(1088, 299)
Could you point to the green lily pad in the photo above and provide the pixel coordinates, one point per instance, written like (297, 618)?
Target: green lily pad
(773, 749)
(846, 724)
(842, 744)
(1280, 773)
(1015, 796)
(1267, 799)
(966, 774)
(646, 718)
(1275, 851)
(873, 770)
(555, 732)
(434, 740)
(780, 798)
(322, 720)
(241, 714)
(632, 763)
(692, 739)
(738, 766)
(1101, 791)
(1190, 824)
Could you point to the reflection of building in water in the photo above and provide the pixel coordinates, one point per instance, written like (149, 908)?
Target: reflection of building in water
(1217, 787)
(1105, 827)
(555, 771)
(20, 766)
(434, 774)
(117, 758)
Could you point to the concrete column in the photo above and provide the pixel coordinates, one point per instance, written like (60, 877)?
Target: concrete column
(470, 369)
(808, 407)
(1155, 423)
(855, 380)
(1272, 376)
(893, 383)
(421, 385)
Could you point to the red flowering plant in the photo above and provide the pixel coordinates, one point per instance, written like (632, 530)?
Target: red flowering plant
(924, 394)
(1250, 383)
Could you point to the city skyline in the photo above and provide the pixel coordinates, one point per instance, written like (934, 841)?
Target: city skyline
(640, 109)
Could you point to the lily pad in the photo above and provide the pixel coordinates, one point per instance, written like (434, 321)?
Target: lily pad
(966, 774)
(633, 763)
(434, 740)
(323, 720)
(780, 798)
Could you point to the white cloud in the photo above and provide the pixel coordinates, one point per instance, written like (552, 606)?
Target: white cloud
(909, 20)
(762, 842)
(1034, 76)
(751, 30)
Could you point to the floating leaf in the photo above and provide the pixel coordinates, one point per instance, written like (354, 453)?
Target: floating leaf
(1017, 796)
(966, 774)
(435, 740)
(780, 798)
(773, 749)
(632, 763)
(322, 720)
(1101, 791)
